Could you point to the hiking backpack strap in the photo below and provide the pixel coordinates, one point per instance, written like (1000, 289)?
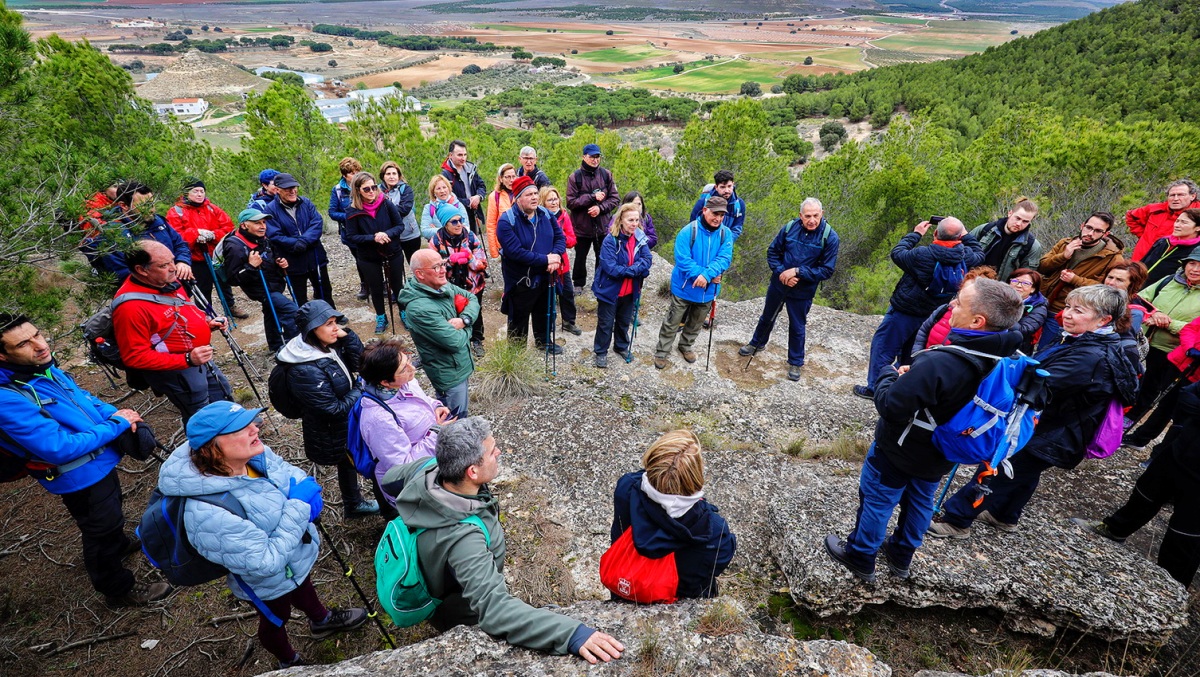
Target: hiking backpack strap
(52, 471)
(475, 520)
(161, 299)
(696, 229)
(930, 424)
(227, 501)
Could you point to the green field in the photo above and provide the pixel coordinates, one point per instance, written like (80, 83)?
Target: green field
(894, 20)
(261, 29)
(849, 58)
(723, 78)
(527, 29)
(662, 71)
(953, 37)
(626, 54)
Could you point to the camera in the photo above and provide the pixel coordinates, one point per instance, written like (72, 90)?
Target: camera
(934, 220)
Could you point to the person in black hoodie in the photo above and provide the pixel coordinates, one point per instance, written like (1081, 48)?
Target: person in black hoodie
(373, 228)
(664, 506)
(903, 466)
(1088, 368)
(249, 263)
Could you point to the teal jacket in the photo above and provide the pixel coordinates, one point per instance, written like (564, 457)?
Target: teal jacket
(445, 351)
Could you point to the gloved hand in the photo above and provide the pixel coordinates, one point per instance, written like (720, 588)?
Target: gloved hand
(460, 257)
(309, 491)
(206, 235)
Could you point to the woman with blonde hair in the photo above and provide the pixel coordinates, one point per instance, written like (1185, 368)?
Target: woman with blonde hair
(663, 509)
(440, 193)
(625, 262)
(498, 202)
(550, 198)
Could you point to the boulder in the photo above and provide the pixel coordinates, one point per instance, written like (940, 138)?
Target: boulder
(1047, 575)
(659, 640)
(1008, 673)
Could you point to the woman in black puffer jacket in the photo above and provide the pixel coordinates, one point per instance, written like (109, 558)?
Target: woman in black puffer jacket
(373, 227)
(322, 364)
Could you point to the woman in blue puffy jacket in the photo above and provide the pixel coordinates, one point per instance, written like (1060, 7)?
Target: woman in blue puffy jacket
(625, 262)
(271, 551)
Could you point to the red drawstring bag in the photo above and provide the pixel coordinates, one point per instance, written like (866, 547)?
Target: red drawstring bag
(460, 303)
(637, 578)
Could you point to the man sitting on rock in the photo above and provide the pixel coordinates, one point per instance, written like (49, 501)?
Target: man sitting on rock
(903, 466)
(462, 566)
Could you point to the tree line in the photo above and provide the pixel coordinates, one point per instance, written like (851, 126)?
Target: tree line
(418, 43)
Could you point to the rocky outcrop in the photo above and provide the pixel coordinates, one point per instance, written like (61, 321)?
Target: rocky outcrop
(197, 74)
(659, 640)
(1049, 574)
(1008, 673)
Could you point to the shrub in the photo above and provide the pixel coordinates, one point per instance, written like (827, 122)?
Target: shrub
(829, 141)
(776, 89)
(833, 127)
(751, 88)
(321, 47)
(574, 51)
(608, 32)
(522, 54)
(507, 371)
(470, 68)
(723, 617)
(332, 63)
(678, 68)
(808, 61)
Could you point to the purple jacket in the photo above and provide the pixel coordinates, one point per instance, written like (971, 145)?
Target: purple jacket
(407, 437)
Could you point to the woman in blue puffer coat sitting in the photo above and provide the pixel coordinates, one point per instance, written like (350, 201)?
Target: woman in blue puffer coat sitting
(271, 551)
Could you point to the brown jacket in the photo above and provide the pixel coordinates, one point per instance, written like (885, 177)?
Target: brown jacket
(1089, 271)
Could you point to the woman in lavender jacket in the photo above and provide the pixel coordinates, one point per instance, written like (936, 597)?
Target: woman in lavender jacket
(405, 427)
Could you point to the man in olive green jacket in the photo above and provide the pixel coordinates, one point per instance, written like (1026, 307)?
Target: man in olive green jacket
(464, 567)
(439, 316)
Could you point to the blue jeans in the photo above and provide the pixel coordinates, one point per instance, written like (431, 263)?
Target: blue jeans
(1051, 333)
(1008, 497)
(893, 339)
(878, 496)
(455, 399)
(608, 316)
(797, 310)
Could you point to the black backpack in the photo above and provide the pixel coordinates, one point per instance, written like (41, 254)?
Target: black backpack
(280, 393)
(165, 542)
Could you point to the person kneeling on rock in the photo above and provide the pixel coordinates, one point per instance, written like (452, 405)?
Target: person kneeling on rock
(903, 466)
(463, 567)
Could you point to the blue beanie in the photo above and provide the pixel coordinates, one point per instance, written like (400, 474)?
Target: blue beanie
(447, 211)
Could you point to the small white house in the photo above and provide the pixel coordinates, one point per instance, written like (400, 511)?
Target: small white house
(182, 107)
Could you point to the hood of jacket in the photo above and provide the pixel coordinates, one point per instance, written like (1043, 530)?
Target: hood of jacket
(314, 314)
(468, 167)
(296, 351)
(655, 533)
(426, 504)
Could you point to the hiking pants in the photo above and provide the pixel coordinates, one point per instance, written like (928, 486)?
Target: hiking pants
(1160, 374)
(1008, 497)
(893, 341)
(97, 511)
(191, 389)
(566, 301)
(205, 281)
(279, 305)
(455, 398)
(1163, 482)
(381, 275)
(525, 306)
(579, 269)
(347, 476)
(880, 489)
(410, 247)
(690, 315)
(275, 639)
(612, 325)
(1187, 409)
(477, 327)
(322, 287)
(797, 310)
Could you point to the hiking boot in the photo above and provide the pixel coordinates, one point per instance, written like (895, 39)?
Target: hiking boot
(794, 372)
(864, 392)
(552, 348)
(362, 292)
(836, 550)
(340, 620)
(1127, 423)
(688, 355)
(987, 518)
(601, 361)
(1134, 446)
(942, 529)
(239, 313)
(298, 660)
(477, 348)
(1097, 527)
(660, 363)
(381, 323)
(141, 594)
(362, 508)
(748, 350)
(570, 328)
(894, 568)
(625, 355)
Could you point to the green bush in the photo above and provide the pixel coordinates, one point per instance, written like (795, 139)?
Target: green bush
(507, 371)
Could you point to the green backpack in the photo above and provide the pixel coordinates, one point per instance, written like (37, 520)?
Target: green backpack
(398, 579)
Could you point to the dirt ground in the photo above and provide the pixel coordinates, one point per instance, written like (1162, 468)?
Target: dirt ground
(434, 71)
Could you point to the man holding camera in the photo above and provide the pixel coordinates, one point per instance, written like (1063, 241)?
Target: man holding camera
(914, 298)
(591, 197)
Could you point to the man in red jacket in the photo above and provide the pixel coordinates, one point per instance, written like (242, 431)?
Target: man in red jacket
(161, 333)
(1157, 220)
(202, 224)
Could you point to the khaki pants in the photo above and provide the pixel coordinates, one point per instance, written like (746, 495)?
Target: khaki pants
(691, 315)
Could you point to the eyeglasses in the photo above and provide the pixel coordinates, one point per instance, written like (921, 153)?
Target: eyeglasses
(1021, 283)
(1093, 229)
(438, 266)
(456, 221)
(368, 189)
(596, 156)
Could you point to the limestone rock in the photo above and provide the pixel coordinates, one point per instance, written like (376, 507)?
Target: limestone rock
(659, 640)
(1006, 673)
(197, 74)
(1048, 574)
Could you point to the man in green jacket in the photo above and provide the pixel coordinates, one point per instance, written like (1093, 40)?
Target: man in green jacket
(439, 316)
(461, 565)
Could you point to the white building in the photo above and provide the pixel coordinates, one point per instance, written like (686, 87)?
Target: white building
(309, 78)
(137, 23)
(182, 107)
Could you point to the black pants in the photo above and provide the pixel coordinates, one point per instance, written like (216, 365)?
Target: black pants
(566, 301)
(279, 313)
(1160, 374)
(1008, 498)
(477, 328)
(97, 511)
(205, 281)
(380, 276)
(524, 305)
(1187, 409)
(579, 270)
(322, 287)
(191, 389)
(1166, 481)
(348, 484)
(410, 247)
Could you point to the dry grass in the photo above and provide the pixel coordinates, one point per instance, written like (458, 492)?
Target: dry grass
(849, 445)
(796, 448)
(507, 371)
(654, 657)
(538, 546)
(723, 617)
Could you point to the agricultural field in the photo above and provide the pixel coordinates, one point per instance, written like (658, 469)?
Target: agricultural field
(951, 38)
(842, 58)
(663, 71)
(518, 28)
(627, 54)
(433, 71)
(724, 77)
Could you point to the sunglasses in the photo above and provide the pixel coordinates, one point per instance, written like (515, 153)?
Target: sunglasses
(457, 221)
(368, 189)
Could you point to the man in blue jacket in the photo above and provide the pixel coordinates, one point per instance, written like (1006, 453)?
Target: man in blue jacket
(723, 186)
(68, 437)
(533, 245)
(136, 219)
(918, 293)
(295, 228)
(803, 254)
(703, 251)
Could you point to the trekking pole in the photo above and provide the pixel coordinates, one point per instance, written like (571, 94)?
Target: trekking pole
(774, 319)
(289, 286)
(212, 271)
(637, 306)
(712, 316)
(937, 507)
(270, 301)
(348, 572)
(387, 289)
(551, 319)
(320, 285)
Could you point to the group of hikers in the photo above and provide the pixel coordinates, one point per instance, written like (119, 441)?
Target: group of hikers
(1109, 334)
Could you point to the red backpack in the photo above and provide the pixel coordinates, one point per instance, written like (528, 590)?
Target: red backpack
(637, 578)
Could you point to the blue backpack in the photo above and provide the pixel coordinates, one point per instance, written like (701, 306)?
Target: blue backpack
(992, 426)
(360, 453)
(946, 280)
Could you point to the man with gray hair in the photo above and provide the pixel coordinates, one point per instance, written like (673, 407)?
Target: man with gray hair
(803, 254)
(1154, 221)
(461, 546)
(931, 277)
(529, 167)
(903, 466)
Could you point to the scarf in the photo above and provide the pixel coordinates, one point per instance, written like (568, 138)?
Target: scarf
(949, 244)
(379, 391)
(627, 283)
(373, 206)
(1182, 242)
(676, 506)
(971, 332)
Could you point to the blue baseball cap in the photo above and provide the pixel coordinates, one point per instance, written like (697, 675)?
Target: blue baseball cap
(267, 175)
(592, 149)
(218, 418)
